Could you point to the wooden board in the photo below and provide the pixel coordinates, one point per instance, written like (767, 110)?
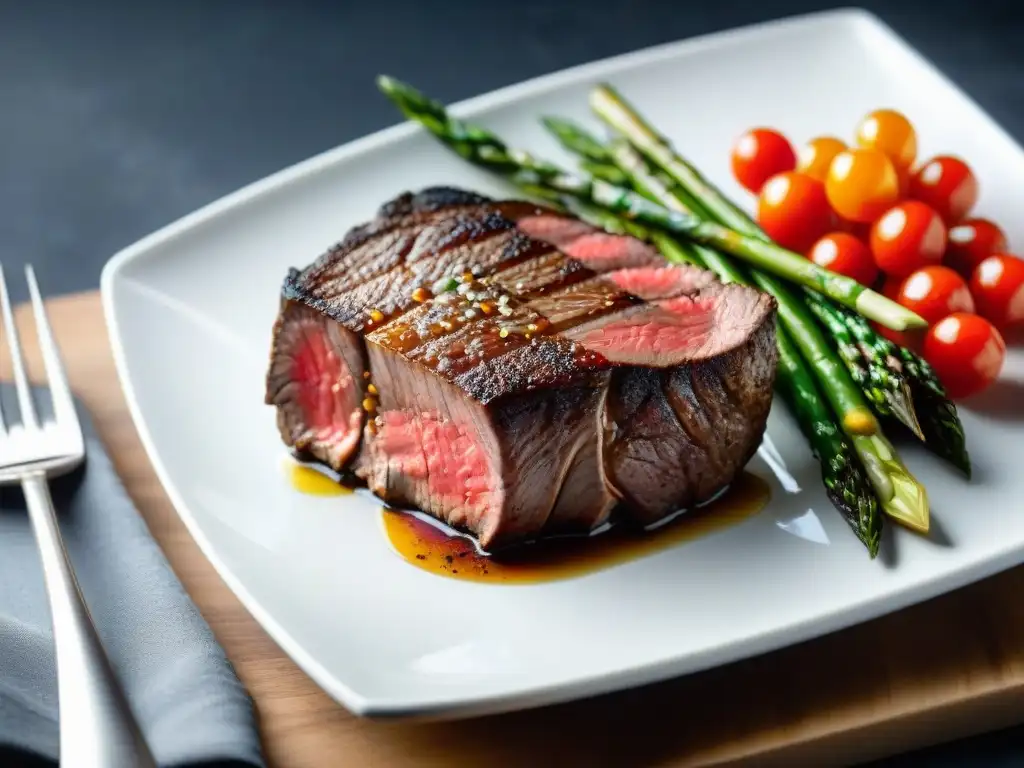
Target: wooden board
(941, 670)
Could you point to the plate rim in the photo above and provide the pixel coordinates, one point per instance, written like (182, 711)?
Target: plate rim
(481, 704)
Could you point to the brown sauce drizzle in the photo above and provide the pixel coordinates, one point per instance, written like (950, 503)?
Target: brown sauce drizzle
(436, 548)
(314, 479)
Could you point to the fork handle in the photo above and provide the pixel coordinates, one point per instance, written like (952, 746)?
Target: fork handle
(97, 728)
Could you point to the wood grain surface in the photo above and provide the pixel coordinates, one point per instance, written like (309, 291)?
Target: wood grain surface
(940, 670)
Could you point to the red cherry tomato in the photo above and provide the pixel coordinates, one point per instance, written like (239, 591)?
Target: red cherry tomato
(794, 211)
(948, 185)
(934, 292)
(759, 154)
(815, 157)
(967, 353)
(998, 289)
(891, 132)
(843, 253)
(862, 184)
(971, 242)
(908, 236)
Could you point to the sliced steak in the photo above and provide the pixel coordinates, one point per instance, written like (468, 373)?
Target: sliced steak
(488, 464)
(682, 329)
(678, 436)
(568, 370)
(315, 381)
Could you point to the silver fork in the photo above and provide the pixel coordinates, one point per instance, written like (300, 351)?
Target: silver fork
(97, 728)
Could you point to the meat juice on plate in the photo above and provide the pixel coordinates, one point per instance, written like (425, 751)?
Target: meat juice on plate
(432, 546)
(313, 481)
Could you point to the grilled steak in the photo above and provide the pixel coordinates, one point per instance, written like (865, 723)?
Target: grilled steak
(515, 372)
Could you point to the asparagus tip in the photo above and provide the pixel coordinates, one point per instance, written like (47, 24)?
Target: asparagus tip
(903, 498)
(888, 312)
(909, 503)
(902, 406)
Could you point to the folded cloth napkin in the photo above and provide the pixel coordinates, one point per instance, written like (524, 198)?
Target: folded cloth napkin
(191, 706)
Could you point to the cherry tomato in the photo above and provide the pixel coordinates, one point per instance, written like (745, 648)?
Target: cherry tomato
(843, 253)
(891, 132)
(948, 185)
(935, 292)
(759, 154)
(861, 184)
(971, 242)
(967, 353)
(908, 236)
(815, 157)
(998, 289)
(794, 211)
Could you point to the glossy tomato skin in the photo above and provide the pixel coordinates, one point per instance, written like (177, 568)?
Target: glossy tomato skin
(892, 133)
(843, 253)
(971, 242)
(861, 184)
(935, 292)
(793, 210)
(907, 237)
(759, 154)
(816, 156)
(948, 185)
(998, 289)
(967, 353)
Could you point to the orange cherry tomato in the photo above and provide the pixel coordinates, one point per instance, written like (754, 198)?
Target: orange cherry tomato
(794, 211)
(891, 132)
(815, 157)
(948, 185)
(998, 289)
(971, 242)
(935, 292)
(843, 253)
(967, 353)
(861, 184)
(908, 236)
(759, 154)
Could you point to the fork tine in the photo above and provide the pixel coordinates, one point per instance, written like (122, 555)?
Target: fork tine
(28, 410)
(60, 391)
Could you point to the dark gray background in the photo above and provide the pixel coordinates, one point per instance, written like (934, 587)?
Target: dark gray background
(119, 117)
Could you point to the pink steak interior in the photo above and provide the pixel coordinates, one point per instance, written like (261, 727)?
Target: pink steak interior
(326, 392)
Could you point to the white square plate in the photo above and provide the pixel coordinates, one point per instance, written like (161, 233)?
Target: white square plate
(190, 310)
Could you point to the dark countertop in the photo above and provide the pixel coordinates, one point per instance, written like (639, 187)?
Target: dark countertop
(119, 117)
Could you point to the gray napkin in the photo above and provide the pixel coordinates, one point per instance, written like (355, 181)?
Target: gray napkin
(191, 706)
